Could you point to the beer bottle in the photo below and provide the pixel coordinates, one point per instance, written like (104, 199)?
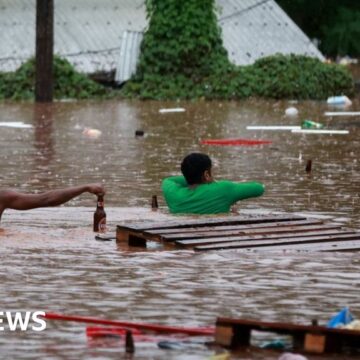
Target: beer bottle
(154, 203)
(100, 215)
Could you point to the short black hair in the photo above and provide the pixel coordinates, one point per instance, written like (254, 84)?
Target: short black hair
(193, 167)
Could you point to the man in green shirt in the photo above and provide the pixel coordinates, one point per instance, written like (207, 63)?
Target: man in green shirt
(197, 193)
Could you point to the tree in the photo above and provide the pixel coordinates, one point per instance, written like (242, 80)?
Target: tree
(183, 38)
(335, 22)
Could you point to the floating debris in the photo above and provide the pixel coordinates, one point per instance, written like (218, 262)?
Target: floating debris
(154, 203)
(320, 131)
(342, 113)
(339, 100)
(16, 124)
(129, 342)
(291, 356)
(139, 133)
(291, 111)
(92, 133)
(308, 166)
(342, 318)
(234, 142)
(309, 124)
(274, 127)
(171, 110)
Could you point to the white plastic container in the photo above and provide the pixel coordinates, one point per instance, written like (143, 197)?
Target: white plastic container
(339, 100)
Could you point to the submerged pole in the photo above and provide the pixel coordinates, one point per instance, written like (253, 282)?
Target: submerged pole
(44, 50)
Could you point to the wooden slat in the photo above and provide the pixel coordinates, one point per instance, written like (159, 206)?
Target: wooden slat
(204, 221)
(205, 241)
(269, 242)
(349, 245)
(195, 232)
(284, 328)
(246, 231)
(236, 333)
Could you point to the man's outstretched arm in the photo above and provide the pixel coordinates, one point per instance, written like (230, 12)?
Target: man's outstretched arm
(10, 199)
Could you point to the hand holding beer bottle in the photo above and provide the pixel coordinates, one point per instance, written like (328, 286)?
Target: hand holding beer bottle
(100, 215)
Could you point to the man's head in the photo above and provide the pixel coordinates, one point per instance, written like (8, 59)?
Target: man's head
(196, 168)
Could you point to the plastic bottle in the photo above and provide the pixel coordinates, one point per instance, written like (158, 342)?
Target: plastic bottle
(309, 124)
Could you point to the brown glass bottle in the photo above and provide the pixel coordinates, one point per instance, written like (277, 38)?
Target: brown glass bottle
(100, 216)
(154, 203)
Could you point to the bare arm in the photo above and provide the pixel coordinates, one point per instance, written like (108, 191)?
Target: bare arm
(10, 199)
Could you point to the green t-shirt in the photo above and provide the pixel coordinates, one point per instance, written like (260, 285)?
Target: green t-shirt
(212, 198)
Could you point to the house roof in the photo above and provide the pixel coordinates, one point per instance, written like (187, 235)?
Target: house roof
(91, 34)
(256, 28)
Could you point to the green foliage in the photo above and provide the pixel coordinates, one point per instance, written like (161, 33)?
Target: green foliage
(343, 37)
(182, 57)
(183, 38)
(68, 83)
(300, 77)
(336, 23)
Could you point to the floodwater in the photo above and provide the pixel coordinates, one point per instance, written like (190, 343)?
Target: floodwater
(51, 262)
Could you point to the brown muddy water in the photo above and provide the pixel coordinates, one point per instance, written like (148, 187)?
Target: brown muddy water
(51, 262)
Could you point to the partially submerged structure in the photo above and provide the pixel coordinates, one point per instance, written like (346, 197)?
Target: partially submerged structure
(104, 35)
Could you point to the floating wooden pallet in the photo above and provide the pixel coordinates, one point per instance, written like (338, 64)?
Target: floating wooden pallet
(234, 334)
(271, 232)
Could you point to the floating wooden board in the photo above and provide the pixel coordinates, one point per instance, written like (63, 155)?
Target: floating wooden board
(273, 127)
(229, 242)
(196, 229)
(343, 246)
(289, 240)
(342, 113)
(236, 333)
(320, 131)
(239, 232)
(215, 231)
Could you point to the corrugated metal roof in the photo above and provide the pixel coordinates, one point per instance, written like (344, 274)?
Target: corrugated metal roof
(129, 53)
(256, 28)
(89, 33)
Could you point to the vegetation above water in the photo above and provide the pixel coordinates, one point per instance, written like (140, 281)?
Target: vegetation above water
(336, 24)
(182, 57)
(276, 77)
(68, 83)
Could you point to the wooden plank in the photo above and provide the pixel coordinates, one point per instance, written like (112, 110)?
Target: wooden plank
(284, 241)
(195, 229)
(314, 339)
(314, 343)
(349, 245)
(205, 221)
(252, 231)
(124, 232)
(195, 232)
(285, 328)
(274, 237)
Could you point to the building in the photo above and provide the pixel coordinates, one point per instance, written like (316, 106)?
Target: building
(103, 35)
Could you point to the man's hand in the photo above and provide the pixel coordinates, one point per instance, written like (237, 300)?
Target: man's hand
(97, 189)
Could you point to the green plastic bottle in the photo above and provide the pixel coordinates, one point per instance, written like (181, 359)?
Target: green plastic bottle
(309, 124)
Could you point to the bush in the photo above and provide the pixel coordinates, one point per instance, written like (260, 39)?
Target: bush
(182, 57)
(277, 77)
(68, 83)
(300, 77)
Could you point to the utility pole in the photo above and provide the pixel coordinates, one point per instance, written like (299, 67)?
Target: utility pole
(44, 50)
